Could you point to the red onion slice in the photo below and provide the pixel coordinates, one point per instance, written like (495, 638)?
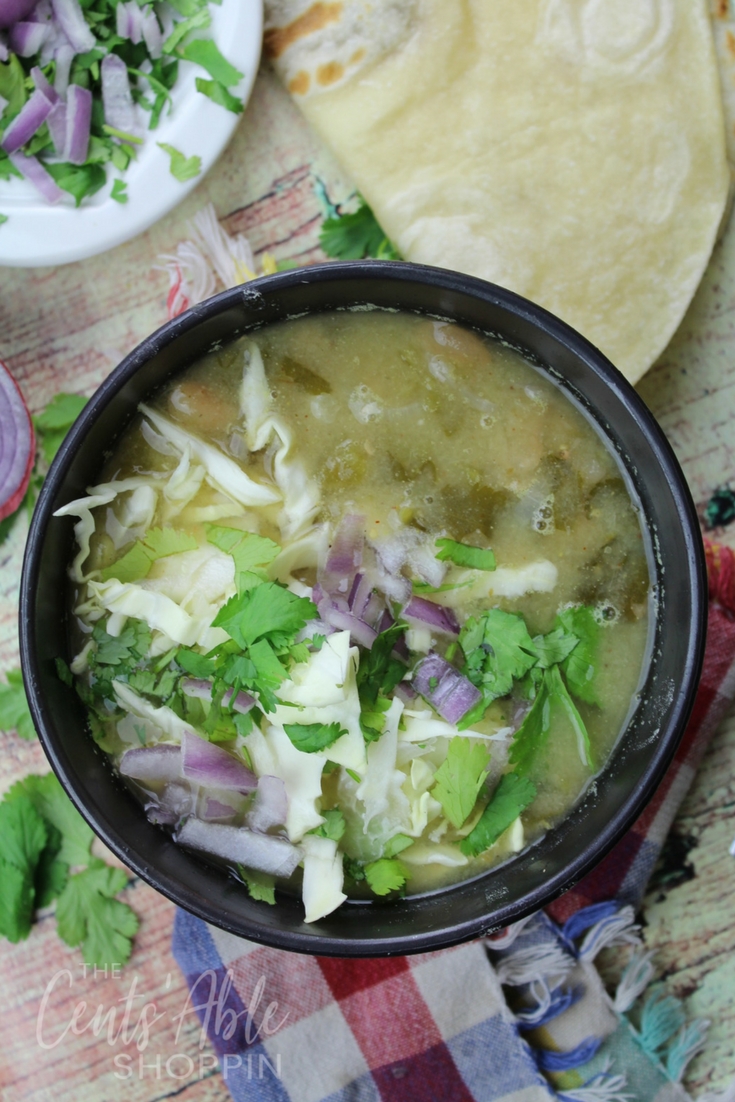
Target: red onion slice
(3, 56)
(31, 118)
(215, 809)
(43, 85)
(263, 852)
(242, 703)
(63, 55)
(206, 763)
(360, 632)
(26, 39)
(171, 805)
(78, 120)
(32, 169)
(445, 688)
(270, 805)
(152, 35)
(197, 688)
(17, 444)
(422, 613)
(116, 97)
(152, 763)
(13, 11)
(70, 19)
(345, 556)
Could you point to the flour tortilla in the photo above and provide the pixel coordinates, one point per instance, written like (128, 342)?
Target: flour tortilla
(570, 150)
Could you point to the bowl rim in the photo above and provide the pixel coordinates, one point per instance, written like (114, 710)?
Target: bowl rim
(396, 271)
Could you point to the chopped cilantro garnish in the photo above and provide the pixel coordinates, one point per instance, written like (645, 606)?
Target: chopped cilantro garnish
(377, 676)
(459, 779)
(268, 611)
(580, 666)
(248, 551)
(204, 52)
(333, 826)
(119, 191)
(3, 218)
(80, 181)
(386, 875)
(354, 869)
(313, 737)
(355, 776)
(14, 711)
(463, 554)
(182, 168)
(197, 665)
(512, 796)
(260, 885)
(397, 844)
(498, 650)
(198, 21)
(156, 544)
(554, 647)
(219, 94)
(355, 236)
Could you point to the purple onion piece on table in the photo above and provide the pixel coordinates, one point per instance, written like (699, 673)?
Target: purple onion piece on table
(206, 763)
(70, 18)
(263, 852)
(422, 613)
(270, 805)
(450, 693)
(33, 171)
(78, 121)
(30, 119)
(18, 444)
(152, 763)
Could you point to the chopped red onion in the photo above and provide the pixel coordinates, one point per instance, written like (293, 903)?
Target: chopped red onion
(445, 688)
(345, 556)
(360, 593)
(3, 56)
(422, 613)
(360, 632)
(13, 11)
(243, 702)
(197, 688)
(26, 39)
(63, 56)
(170, 806)
(43, 85)
(78, 121)
(33, 170)
(405, 692)
(374, 611)
(263, 852)
(116, 97)
(70, 18)
(56, 123)
(32, 116)
(152, 763)
(129, 21)
(270, 805)
(18, 444)
(206, 763)
(152, 35)
(216, 809)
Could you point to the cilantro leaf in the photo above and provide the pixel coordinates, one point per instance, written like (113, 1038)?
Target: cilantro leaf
(3, 218)
(61, 413)
(217, 92)
(459, 779)
(560, 694)
(533, 732)
(377, 676)
(260, 885)
(23, 833)
(14, 711)
(159, 543)
(386, 875)
(397, 844)
(512, 796)
(52, 804)
(554, 647)
(198, 21)
(51, 873)
(79, 180)
(195, 664)
(204, 52)
(124, 650)
(354, 869)
(498, 649)
(268, 611)
(463, 554)
(355, 236)
(311, 738)
(248, 551)
(182, 168)
(119, 191)
(88, 915)
(580, 666)
(333, 826)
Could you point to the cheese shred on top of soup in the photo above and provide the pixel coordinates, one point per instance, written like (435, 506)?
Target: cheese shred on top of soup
(361, 606)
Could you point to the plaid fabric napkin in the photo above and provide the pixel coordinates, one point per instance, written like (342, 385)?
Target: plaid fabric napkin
(522, 1017)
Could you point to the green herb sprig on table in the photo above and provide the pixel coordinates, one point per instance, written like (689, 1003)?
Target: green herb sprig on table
(355, 236)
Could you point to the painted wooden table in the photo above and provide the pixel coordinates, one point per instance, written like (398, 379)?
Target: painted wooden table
(65, 329)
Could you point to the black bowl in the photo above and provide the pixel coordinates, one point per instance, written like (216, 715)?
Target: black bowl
(534, 877)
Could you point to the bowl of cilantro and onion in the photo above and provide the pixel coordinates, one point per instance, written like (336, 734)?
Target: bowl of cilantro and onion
(491, 669)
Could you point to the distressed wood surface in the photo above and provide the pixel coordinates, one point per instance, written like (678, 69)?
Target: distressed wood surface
(64, 329)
